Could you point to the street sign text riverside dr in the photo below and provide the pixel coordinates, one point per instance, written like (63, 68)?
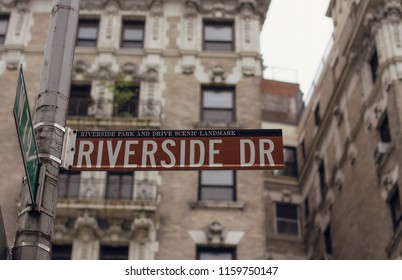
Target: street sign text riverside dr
(178, 150)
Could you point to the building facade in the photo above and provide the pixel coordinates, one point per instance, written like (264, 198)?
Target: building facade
(153, 65)
(146, 65)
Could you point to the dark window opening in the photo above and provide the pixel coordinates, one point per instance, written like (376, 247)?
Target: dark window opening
(321, 173)
(80, 100)
(113, 252)
(374, 66)
(384, 129)
(287, 219)
(216, 253)
(61, 252)
(3, 28)
(290, 160)
(328, 241)
(317, 115)
(395, 205)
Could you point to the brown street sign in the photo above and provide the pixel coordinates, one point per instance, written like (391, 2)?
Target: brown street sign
(178, 150)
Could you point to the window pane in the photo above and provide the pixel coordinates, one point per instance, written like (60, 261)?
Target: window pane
(218, 32)
(287, 211)
(133, 34)
(131, 44)
(61, 252)
(217, 115)
(217, 193)
(289, 154)
(222, 100)
(127, 186)
(114, 253)
(88, 32)
(112, 191)
(217, 177)
(219, 253)
(285, 227)
(74, 185)
(218, 46)
(3, 25)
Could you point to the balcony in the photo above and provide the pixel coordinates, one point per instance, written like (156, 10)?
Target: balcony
(86, 112)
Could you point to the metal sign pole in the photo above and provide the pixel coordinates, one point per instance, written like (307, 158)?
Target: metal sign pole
(35, 226)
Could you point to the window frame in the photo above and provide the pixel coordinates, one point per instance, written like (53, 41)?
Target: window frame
(317, 115)
(112, 252)
(329, 249)
(87, 42)
(287, 220)
(216, 250)
(395, 198)
(127, 23)
(65, 251)
(120, 186)
(217, 90)
(374, 64)
(84, 101)
(322, 176)
(68, 186)
(384, 129)
(5, 18)
(291, 167)
(129, 107)
(232, 187)
(207, 43)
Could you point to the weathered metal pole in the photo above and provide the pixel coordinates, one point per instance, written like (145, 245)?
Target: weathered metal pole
(35, 226)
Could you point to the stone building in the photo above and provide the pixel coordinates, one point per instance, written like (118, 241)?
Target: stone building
(196, 65)
(350, 138)
(154, 65)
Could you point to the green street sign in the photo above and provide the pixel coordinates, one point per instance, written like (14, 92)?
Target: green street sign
(26, 136)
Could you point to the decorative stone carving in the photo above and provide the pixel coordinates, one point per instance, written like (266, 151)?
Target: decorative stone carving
(339, 180)
(215, 233)
(141, 228)
(191, 8)
(352, 153)
(93, 4)
(338, 114)
(104, 72)
(374, 113)
(86, 223)
(217, 74)
(146, 190)
(388, 181)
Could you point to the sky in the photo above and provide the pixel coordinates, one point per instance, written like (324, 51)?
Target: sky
(294, 37)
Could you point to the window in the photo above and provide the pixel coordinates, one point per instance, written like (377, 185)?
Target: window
(126, 99)
(303, 149)
(216, 253)
(217, 185)
(3, 28)
(69, 184)
(80, 100)
(287, 219)
(290, 160)
(383, 128)
(306, 208)
(328, 241)
(321, 173)
(119, 185)
(61, 252)
(395, 205)
(218, 104)
(87, 35)
(132, 34)
(374, 66)
(113, 252)
(218, 36)
(317, 115)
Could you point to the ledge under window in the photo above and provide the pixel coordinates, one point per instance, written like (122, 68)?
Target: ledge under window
(211, 204)
(233, 125)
